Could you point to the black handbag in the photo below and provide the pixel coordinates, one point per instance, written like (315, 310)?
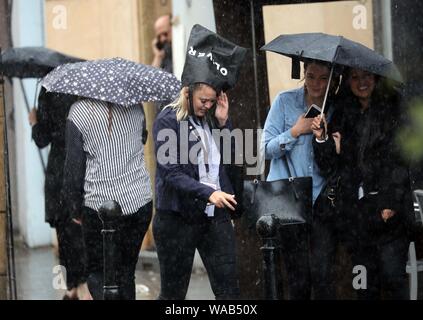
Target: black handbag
(290, 200)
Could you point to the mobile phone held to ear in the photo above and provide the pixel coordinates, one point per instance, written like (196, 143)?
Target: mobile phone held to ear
(313, 111)
(159, 45)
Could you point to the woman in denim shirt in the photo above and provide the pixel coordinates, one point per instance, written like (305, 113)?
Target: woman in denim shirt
(287, 132)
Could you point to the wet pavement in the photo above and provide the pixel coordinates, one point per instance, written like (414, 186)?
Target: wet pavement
(36, 276)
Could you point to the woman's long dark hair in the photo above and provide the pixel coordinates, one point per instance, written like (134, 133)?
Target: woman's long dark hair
(385, 106)
(109, 118)
(369, 138)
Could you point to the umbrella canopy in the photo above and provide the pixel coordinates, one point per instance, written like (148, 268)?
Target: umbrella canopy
(114, 80)
(32, 62)
(333, 49)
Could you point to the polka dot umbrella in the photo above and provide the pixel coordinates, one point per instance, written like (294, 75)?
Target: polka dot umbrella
(113, 80)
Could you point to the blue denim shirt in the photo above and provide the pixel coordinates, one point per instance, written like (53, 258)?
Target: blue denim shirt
(283, 114)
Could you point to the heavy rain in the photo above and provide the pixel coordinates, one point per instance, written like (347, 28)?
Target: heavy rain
(211, 150)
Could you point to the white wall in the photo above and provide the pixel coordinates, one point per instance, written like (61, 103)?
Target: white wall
(186, 14)
(27, 30)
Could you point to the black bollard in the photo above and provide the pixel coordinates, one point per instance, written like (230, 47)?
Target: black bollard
(267, 228)
(110, 213)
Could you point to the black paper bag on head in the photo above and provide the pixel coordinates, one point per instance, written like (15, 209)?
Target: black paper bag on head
(212, 59)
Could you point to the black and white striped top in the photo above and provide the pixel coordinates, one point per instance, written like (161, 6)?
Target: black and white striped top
(114, 159)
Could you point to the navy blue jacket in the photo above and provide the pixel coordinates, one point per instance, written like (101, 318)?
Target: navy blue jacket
(177, 185)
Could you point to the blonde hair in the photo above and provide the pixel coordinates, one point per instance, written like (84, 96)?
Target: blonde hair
(181, 104)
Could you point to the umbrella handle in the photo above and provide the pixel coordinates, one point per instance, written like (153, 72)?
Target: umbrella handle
(323, 127)
(28, 109)
(37, 87)
(327, 90)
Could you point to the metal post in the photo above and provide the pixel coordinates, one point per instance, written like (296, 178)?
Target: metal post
(28, 108)
(267, 227)
(254, 46)
(110, 213)
(256, 84)
(10, 253)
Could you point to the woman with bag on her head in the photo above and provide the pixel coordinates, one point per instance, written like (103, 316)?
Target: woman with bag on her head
(194, 195)
(288, 142)
(375, 196)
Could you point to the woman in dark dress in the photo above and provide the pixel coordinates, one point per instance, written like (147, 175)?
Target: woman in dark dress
(374, 198)
(48, 128)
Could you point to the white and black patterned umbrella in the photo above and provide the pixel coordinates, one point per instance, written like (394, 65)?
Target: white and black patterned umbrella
(113, 80)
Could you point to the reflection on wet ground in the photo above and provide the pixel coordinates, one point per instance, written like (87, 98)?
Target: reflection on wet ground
(34, 274)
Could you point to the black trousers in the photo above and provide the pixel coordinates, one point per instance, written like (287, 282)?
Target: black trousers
(324, 242)
(385, 261)
(176, 240)
(295, 247)
(131, 230)
(71, 252)
(385, 267)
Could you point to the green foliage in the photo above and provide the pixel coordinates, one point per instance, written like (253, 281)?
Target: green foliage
(410, 137)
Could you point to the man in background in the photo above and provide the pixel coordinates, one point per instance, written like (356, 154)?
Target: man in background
(162, 43)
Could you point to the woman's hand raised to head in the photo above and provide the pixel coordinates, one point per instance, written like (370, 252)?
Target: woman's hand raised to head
(222, 109)
(222, 199)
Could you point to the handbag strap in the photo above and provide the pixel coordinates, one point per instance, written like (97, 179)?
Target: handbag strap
(290, 178)
(284, 158)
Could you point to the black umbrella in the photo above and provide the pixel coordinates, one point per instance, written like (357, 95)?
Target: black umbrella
(32, 62)
(333, 49)
(114, 80)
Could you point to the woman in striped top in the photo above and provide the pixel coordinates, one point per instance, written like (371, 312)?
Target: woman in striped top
(105, 161)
